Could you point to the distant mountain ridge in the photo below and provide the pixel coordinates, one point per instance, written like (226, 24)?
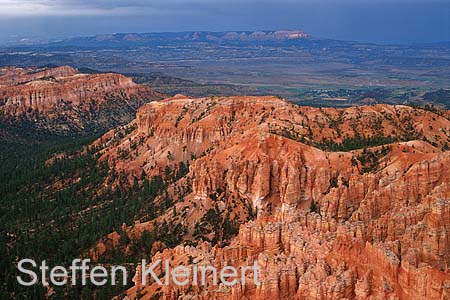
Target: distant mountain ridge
(204, 35)
(146, 39)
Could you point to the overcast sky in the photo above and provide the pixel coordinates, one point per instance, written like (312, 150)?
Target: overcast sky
(382, 21)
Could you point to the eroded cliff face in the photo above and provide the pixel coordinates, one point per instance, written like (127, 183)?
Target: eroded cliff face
(10, 76)
(358, 224)
(176, 129)
(61, 99)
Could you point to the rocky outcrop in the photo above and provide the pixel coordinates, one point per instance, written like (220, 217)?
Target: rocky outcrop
(186, 128)
(13, 76)
(368, 222)
(309, 258)
(63, 100)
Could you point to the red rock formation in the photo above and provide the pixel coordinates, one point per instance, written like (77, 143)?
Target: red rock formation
(13, 76)
(79, 99)
(186, 127)
(380, 228)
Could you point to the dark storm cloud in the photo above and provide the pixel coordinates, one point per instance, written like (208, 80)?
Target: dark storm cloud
(114, 7)
(365, 20)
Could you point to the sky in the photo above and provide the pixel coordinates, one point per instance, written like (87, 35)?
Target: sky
(378, 21)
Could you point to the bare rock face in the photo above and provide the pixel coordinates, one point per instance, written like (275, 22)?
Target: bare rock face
(61, 99)
(371, 221)
(11, 76)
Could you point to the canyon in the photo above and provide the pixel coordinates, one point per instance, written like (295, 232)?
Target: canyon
(332, 203)
(322, 162)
